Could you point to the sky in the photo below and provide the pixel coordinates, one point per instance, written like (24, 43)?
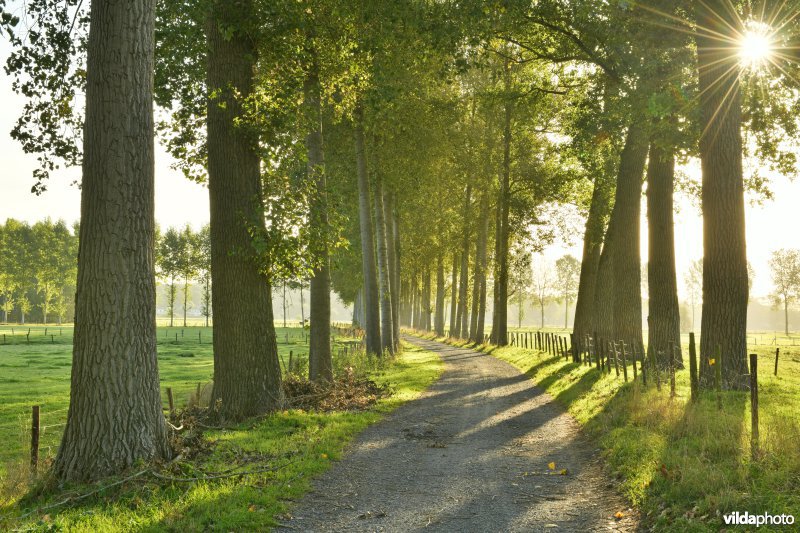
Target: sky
(179, 201)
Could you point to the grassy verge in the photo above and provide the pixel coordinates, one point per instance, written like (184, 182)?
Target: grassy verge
(683, 464)
(297, 444)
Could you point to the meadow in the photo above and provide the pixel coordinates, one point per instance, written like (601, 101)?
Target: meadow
(35, 365)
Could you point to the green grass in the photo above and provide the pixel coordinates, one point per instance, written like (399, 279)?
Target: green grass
(35, 370)
(302, 444)
(683, 463)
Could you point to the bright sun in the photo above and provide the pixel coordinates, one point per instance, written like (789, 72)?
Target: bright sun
(755, 46)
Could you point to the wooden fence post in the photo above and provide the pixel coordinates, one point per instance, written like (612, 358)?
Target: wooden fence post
(34, 438)
(671, 369)
(693, 367)
(754, 405)
(777, 353)
(171, 400)
(624, 362)
(634, 358)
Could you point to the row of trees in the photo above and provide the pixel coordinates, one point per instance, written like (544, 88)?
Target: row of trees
(184, 256)
(38, 266)
(467, 131)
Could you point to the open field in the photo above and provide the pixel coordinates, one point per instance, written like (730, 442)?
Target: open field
(684, 464)
(35, 370)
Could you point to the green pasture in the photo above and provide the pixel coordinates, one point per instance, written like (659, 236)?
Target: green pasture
(35, 370)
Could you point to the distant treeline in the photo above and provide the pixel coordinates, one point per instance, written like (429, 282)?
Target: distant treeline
(38, 269)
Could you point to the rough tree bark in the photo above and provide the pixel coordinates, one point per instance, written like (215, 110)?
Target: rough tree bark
(247, 376)
(438, 322)
(320, 365)
(663, 314)
(115, 417)
(618, 293)
(371, 304)
(384, 276)
(725, 283)
(599, 209)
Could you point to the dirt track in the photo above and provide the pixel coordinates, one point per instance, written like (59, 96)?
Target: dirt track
(471, 454)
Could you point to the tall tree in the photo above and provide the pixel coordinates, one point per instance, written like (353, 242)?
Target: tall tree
(247, 378)
(320, 366)
(187, 264)
(479, 276)
(438, 322)
(568, 271)
(114, 364)
(785, 266)
(371, 302)
(462, 329)
(725, 285)
(384, 275)
(169, 250)
(204, 269)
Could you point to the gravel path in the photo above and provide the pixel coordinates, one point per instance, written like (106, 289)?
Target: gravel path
(471, 454)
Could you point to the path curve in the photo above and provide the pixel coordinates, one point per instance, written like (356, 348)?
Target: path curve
(471, 454)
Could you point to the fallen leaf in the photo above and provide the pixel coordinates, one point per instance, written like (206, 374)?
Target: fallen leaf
(563, 472)
(324, 455)
(711, 362)
(551, 466)
(619, 515)
(252, 508)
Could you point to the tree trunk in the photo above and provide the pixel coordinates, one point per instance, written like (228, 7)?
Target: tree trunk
(723, 323)
(493, 337)
(357, 310)
(284, 304)
(115, 418)
(438, 322)
(172, 294)
(476, 333)
(393, 244)
(482, 307)
(320, 366)
(371, 303)
(618, 293)
(384, 277)
(599, 209)
(786, 314)
(302, 306)
(247, 376)
(426, 300)
(501, 308)
(185, 299)
(664, 315)
(462, 324)
(453, 295)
